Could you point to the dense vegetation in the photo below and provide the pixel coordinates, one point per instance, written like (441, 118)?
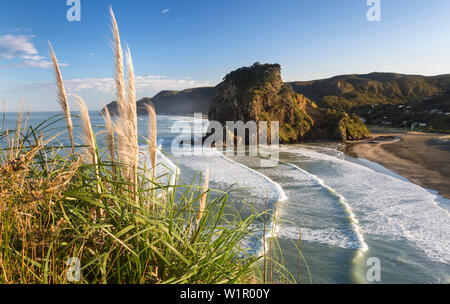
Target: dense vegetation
(351, 92)
(108, 209)
(428, 114)
(257, 93)
(55, 205)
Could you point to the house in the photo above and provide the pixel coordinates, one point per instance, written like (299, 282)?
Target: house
(420, 124)
(436, 111)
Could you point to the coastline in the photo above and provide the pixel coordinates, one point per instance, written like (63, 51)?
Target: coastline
(423, 158)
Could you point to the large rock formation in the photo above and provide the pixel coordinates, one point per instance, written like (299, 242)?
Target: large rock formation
(257, 93)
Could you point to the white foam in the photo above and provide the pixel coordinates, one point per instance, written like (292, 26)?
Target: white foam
(351, 216)
(168, 167)
(322, 214)
(387, 207)
(225, 171)
(330, 236)
(281, 194)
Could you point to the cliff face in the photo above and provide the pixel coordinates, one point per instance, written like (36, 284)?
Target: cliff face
(257, 93)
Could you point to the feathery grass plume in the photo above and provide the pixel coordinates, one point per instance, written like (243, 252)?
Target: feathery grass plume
(152, 131)
(88, 136)
(132, 113)
(202, 206)
(109, 133)
(126, 125)
(119, 77)
(131, 90)
(62, 96)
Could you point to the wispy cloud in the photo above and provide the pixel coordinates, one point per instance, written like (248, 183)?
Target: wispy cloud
(145, 85)
(21, 47)
(165, 11)
(15, 46)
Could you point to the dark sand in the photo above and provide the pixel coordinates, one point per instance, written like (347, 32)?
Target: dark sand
(422, 158)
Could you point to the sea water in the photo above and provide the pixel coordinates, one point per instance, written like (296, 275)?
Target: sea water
(344, 210)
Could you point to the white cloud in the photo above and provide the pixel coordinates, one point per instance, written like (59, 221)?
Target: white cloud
(149, 85)
(15, 46)
(145, 85)
(165, 11)
(95, 91)
(21, 47)
(32, 57)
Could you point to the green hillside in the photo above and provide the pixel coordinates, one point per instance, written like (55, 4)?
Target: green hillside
(356, 92)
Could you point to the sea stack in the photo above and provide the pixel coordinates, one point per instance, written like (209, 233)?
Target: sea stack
(257, 93)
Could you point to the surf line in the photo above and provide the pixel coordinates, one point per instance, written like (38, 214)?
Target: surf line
(351, 216)
(273, 228)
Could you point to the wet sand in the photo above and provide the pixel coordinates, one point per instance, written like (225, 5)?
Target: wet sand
(422, 158)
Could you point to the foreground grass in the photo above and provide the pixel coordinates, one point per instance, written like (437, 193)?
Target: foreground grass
(80, 214)
(55, 207)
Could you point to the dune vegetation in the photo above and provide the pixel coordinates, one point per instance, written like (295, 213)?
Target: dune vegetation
(105, 209)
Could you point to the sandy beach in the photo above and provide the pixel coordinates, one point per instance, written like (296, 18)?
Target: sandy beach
(421, 157)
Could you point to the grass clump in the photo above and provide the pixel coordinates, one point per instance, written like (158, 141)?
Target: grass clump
(108, 209)
(51, 210)
(102, 214)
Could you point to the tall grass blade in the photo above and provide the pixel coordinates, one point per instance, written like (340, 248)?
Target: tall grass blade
(62, 96)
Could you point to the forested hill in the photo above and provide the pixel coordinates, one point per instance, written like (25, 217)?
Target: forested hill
(353, 92)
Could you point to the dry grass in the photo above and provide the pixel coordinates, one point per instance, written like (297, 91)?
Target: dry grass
(52, 208)
(63, 102)
(29, 231)
(125, 127)
(202, 206)
(152, 131)
(109, 138)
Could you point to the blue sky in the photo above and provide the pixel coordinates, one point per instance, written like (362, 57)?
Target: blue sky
(182, 44)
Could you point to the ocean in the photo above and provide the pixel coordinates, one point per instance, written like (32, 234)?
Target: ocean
(348, 211)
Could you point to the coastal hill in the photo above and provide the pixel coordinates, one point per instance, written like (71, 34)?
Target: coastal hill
(355, 92)
(428, 114)
(257, 93)
(378, 98)
(188, 101)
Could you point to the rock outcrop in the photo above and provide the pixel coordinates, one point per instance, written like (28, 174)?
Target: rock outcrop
(257, 93)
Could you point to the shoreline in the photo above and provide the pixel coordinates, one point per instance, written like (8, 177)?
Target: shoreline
(422, 158)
